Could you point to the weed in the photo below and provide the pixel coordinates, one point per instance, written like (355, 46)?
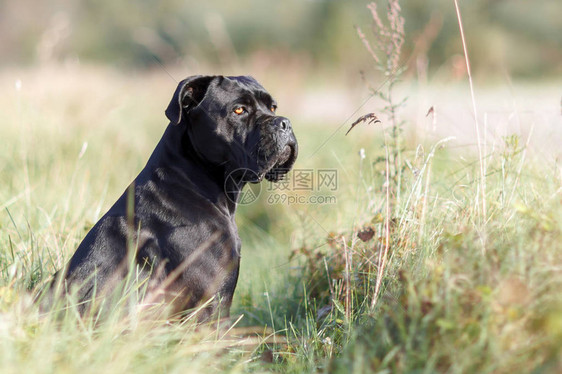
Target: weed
(386, 50)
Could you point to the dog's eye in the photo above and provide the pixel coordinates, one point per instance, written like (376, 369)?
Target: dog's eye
(273, 108)
(239, 110)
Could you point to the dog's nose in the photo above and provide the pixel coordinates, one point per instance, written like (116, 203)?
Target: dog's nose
(284, 124)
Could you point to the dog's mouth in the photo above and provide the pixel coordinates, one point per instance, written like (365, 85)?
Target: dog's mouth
(275, 167)
(282, 164)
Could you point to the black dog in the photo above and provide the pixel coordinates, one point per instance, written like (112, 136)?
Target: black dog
(223, 133)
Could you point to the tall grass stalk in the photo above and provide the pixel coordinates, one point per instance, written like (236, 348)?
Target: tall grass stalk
(381, 263)
(483, 214)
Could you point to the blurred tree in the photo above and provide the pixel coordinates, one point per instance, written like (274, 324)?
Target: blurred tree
(517, 36)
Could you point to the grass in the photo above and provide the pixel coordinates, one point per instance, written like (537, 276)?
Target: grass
(458, 294)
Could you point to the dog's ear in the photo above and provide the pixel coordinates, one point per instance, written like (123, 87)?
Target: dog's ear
(189, 93)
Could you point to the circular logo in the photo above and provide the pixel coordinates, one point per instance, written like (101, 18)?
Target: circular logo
(237, 188)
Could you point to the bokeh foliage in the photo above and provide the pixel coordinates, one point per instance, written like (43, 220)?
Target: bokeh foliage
(519, 37)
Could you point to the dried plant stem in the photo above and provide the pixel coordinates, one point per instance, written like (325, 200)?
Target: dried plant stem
(467, 61)
(367, 45)
(381, 263)
(347, 282)
(385, 50)
(397, 151)
(477, 127)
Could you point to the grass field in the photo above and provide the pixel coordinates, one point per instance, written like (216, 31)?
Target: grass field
(458, 268)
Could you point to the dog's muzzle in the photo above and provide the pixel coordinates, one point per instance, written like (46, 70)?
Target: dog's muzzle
(280, 149)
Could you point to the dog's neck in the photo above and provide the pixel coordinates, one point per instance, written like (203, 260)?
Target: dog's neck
(209, 182)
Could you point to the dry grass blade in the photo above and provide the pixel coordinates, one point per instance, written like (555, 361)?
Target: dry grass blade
(369, 117)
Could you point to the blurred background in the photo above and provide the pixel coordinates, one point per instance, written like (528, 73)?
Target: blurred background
(517, 38)
(307, 53)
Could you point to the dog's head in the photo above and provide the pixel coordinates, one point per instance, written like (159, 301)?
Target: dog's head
(232, 122)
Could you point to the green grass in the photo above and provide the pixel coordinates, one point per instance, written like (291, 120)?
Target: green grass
(461, 292)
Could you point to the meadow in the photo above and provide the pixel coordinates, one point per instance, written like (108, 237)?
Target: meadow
(448, 259)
